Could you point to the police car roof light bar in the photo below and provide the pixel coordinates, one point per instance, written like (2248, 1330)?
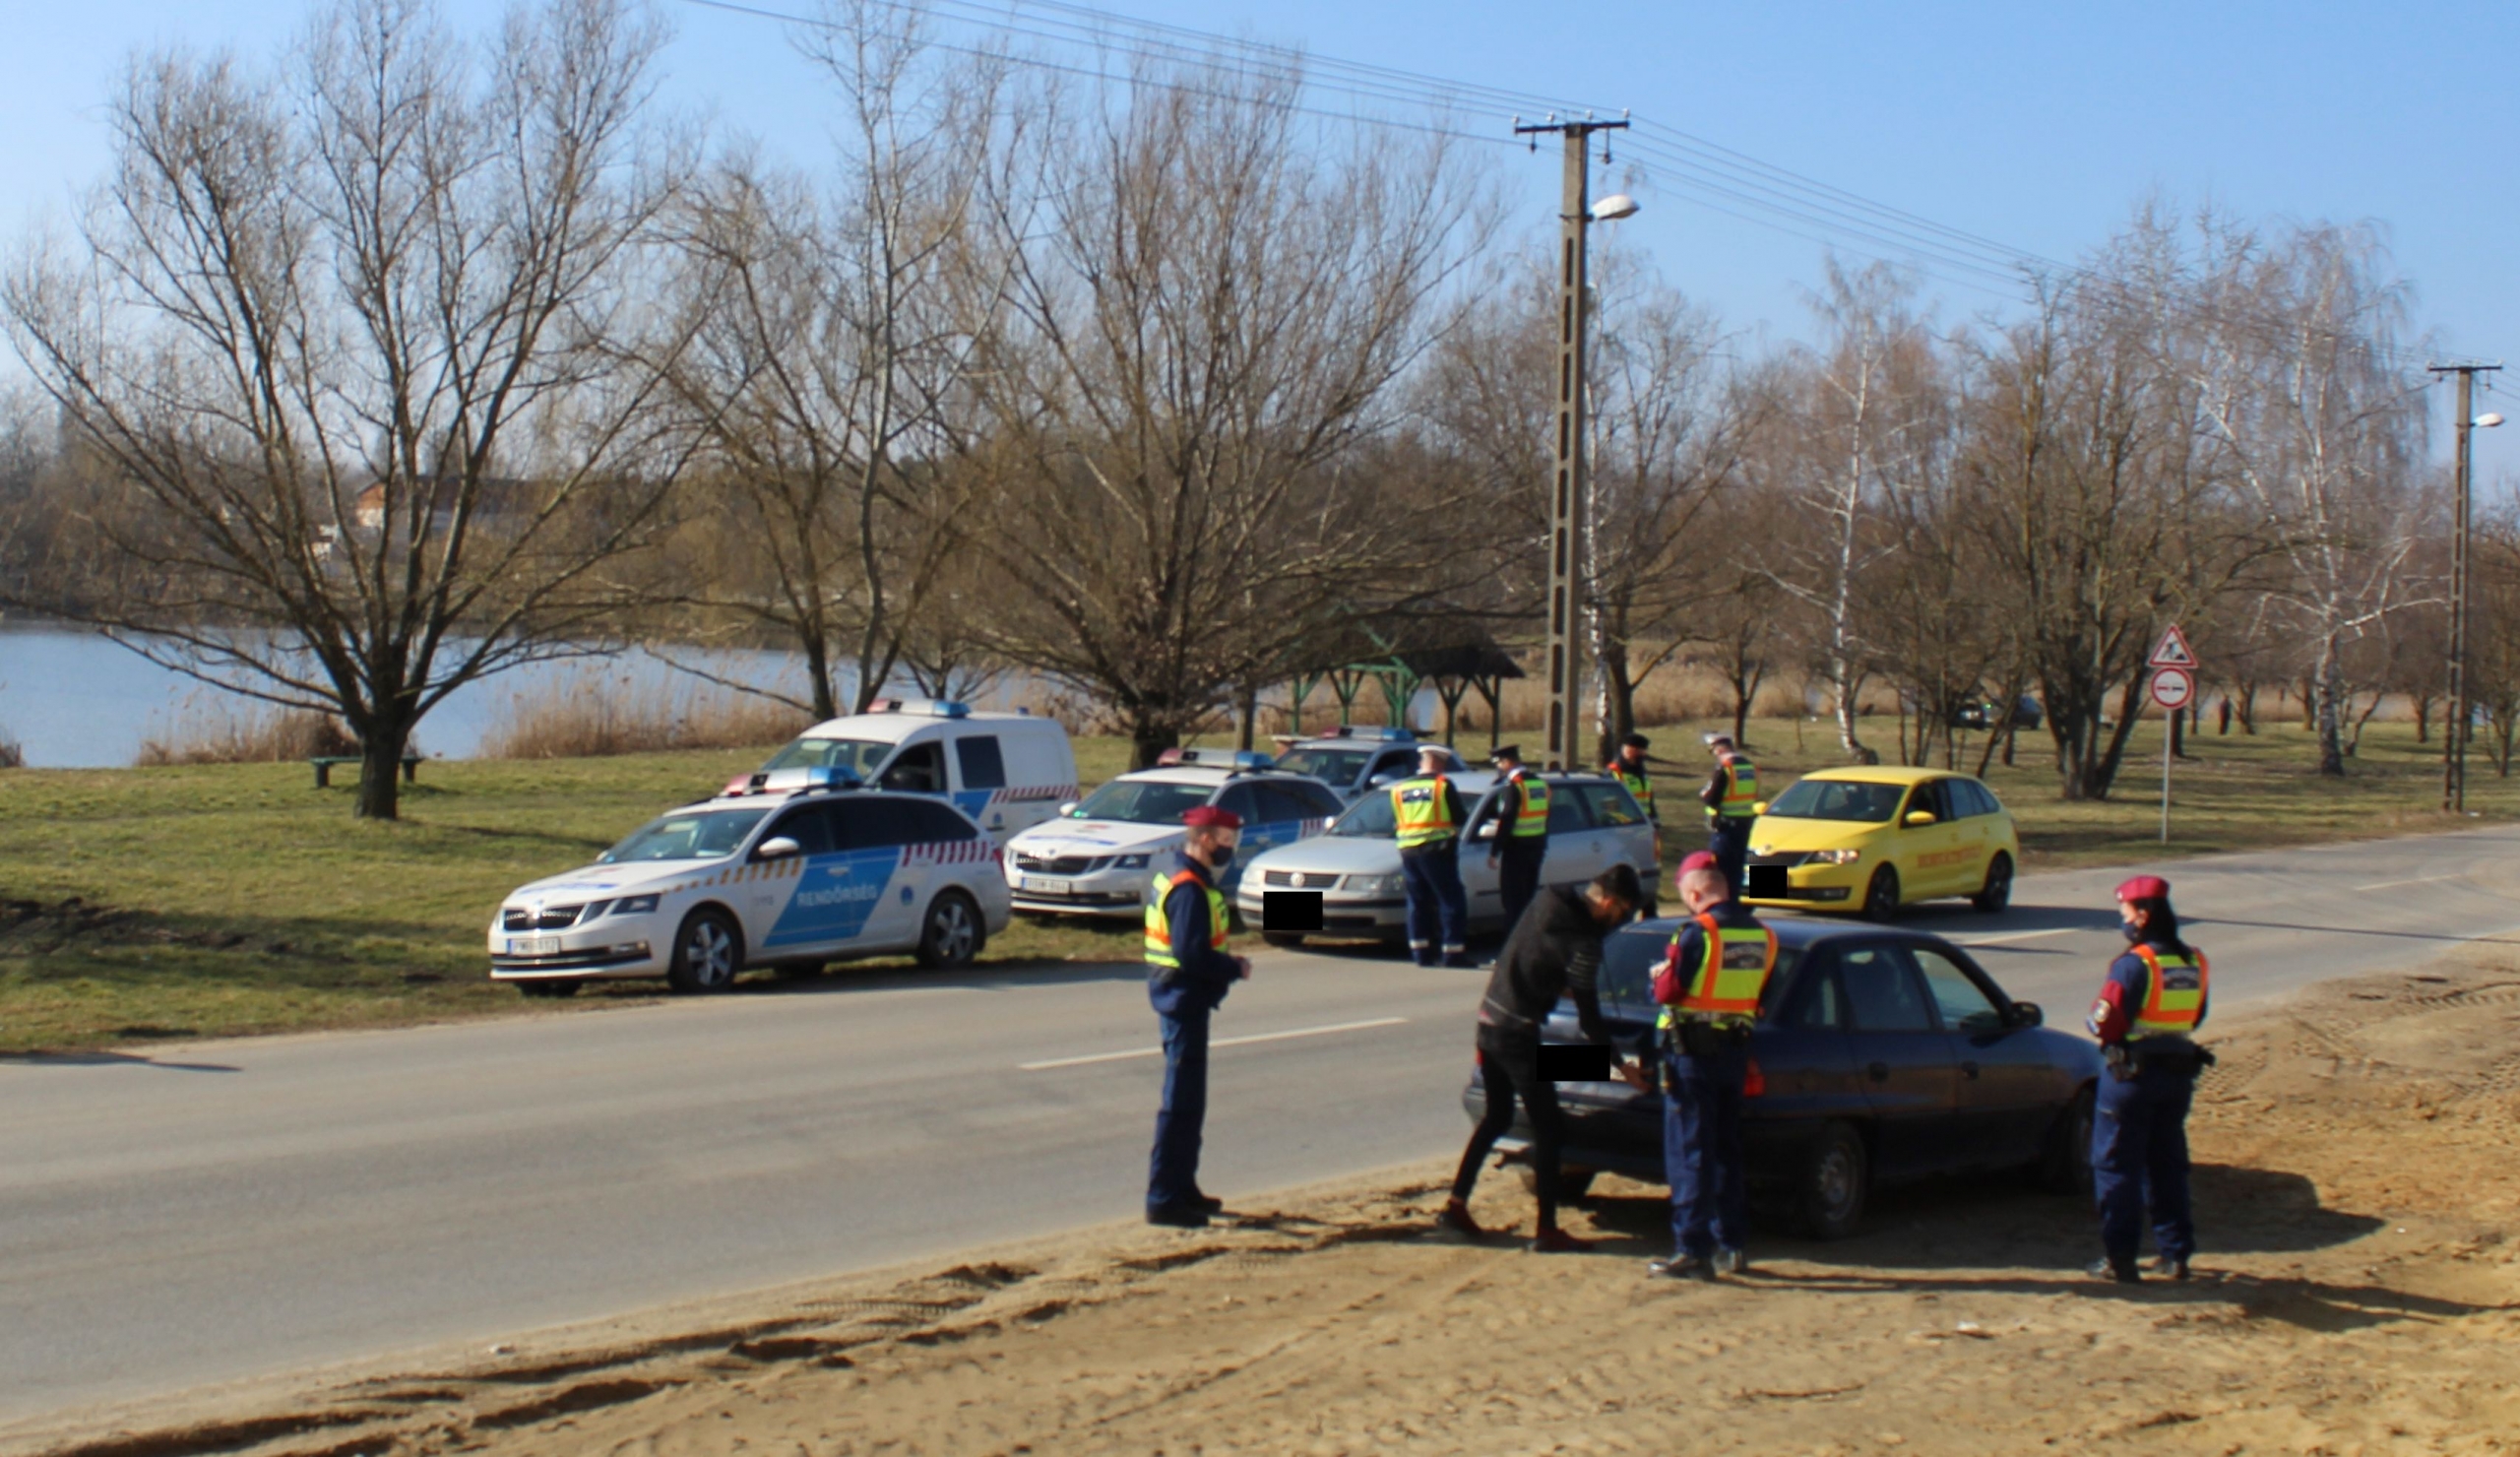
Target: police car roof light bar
(935, 708)
(1386, 734)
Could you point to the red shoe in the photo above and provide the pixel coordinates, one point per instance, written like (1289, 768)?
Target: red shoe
(1455, 1220)
(1558, 1242)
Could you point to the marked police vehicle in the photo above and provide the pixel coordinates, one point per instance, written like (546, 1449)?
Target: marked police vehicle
(1006, 771)
(1593, 824)
(828, 871)
(1354, 760)
(1100, 857)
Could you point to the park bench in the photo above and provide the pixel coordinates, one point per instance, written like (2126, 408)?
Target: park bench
(324, 768)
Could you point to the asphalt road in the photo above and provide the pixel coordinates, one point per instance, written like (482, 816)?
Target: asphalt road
(236, 1209)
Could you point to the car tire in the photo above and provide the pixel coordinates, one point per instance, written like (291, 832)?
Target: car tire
(1831, 1188)
(1573, 1185)
(552, 989)
(952, 934)
(2065, 1160)
(708, 953)
(1284, 940)
(1998, 891)
(1881, 895)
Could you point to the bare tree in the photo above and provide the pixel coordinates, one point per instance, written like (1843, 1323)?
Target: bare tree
(343, 347)
(1207, 324)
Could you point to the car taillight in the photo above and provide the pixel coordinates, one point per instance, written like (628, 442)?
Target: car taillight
(1756, 1083)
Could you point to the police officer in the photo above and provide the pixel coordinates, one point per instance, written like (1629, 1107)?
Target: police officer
(1730, 797)
(1427, 818)
(2146, 1019)
(1628, 768)
(1522, 834)
(1709, 986)
(1188, 972)
(1554, 951)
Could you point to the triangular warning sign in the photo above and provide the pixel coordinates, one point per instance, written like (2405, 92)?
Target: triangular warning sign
(2173, 651)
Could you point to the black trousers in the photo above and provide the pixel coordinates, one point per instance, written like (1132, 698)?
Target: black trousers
(1509, 1066)
(1518, 862)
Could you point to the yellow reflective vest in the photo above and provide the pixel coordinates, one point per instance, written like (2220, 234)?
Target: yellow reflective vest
(1726, 984)
(1159, 925)
(1421, 811)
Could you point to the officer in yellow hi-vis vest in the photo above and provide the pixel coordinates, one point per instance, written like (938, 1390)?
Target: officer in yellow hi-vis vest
(2146, 1019)
(1521, 845)
(1731, 800)
(1188, 972)
(1709, 986)
(1426, 819)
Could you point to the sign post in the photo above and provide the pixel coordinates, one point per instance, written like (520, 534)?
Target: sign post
(2173, 687)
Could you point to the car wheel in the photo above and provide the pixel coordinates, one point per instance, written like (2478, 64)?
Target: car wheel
(1881, 897)
(707, 953)
(553, 989)
(1998, 892)
(1836, 1176)
(2065, 1164)
(1284, 940)
(955, 932)
(1572, 1183)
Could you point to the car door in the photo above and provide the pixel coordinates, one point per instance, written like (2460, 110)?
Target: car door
(766, 885)
(1626, 835)
(2004, 1084)
(1804, 1046)
(1909, 1077)
(1479, 880)
(1927, 852)
(847, 897)
(1577, 850)
(1971, 828)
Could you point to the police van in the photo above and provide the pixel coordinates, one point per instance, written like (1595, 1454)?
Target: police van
(1007, 771)
(828, 871)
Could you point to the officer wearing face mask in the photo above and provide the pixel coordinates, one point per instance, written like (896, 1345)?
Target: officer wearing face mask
(1188, 972)
(2145, 1018)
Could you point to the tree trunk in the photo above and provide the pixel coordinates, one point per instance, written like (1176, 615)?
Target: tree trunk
(2422, 703)
(1251, 716)
(1151, 733)
(818, 674)
(1844, 683)
(1619, 701)
(382, 741)
(2248, 708)
(2327, 689)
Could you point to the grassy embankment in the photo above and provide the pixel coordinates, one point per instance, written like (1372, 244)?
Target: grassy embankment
(222, 900)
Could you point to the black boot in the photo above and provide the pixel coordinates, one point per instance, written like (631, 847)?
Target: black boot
(2171, 1267)
(2121, 1271)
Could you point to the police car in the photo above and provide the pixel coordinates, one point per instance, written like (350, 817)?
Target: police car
(828, 871)
(1007, 771)
(1099, 857)
(1354, 760)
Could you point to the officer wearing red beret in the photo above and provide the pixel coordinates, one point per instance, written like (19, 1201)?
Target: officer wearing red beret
(1188, 972)
(2146, 1018)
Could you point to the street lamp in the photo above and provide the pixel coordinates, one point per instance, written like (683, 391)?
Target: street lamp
(2454, 767)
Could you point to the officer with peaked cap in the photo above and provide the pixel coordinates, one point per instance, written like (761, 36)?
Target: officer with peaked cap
(1522, 833)
(2146, 1018)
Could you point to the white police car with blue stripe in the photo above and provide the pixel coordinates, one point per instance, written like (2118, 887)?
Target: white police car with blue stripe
(828, 871)
(1099, 857)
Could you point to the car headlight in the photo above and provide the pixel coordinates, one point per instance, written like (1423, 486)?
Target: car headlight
(1131, 861)
(1376, 885)
(634, 906)
(1835, 856)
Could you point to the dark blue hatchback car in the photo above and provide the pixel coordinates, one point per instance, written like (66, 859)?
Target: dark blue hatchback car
(1880, 1057)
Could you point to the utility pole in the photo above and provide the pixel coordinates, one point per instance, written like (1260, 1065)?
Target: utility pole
(2454, 742)
(1569, 583)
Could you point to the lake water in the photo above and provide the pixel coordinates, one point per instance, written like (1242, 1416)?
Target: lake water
(72, 699)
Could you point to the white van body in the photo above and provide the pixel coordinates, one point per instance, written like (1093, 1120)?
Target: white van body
(1008, 772)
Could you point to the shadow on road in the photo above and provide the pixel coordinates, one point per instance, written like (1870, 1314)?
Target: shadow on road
(106, 1060)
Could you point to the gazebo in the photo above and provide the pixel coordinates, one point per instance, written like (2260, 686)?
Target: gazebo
(1401, 655)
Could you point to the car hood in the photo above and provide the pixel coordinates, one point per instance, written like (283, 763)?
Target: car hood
(1772, 835)
(1337, 854)
(1091, 838)
(602, 882)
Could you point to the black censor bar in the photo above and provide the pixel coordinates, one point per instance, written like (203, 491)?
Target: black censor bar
(1767, 882)
(1561, 1062)
(1290, 911)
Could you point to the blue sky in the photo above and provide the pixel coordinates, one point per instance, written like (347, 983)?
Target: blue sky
(2032, 125)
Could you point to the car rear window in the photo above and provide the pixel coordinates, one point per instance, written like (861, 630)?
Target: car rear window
(1331, 766)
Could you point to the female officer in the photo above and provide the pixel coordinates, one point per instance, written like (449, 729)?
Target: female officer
(2146, 1019)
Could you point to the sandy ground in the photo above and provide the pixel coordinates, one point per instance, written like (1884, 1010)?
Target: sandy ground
(2360, 1292)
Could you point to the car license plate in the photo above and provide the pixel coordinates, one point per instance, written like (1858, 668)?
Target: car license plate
(533, 945)
(1041, 886)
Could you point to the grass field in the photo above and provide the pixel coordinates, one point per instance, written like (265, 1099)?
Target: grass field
(140, 905)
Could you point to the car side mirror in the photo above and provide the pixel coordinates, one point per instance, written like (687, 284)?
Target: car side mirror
(1759, 807)
(1067, 810)
(777, 848)
(2027, 1014)
(1918, 818)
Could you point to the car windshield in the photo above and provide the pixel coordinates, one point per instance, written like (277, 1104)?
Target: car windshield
(1142, 801)
(1838, 799)
(687, 835)
(860, 756)
(1369, 818)
(1330, 766)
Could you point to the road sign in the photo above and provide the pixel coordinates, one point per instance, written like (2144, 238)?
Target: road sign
(2173, 688)
(2173, 651)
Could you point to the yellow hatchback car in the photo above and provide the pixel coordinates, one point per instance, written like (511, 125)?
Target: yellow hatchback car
(1875, 839)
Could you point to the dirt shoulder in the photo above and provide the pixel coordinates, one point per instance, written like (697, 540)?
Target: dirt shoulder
(2359, 1293)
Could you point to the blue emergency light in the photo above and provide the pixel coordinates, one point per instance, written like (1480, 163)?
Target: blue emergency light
(1385, 735)
(832, 777)
(935, 708)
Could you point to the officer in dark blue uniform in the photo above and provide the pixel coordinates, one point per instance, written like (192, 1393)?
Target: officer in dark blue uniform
(2146, 1017)
(1188, 972)
(1521, 844)
(1709, 986)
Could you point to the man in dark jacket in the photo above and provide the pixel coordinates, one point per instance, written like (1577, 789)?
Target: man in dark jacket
(1188, 972)
(1555, 950)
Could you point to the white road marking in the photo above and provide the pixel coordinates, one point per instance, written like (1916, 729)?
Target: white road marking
(1229, 1042)
(2062, 930)
(2419, 880)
